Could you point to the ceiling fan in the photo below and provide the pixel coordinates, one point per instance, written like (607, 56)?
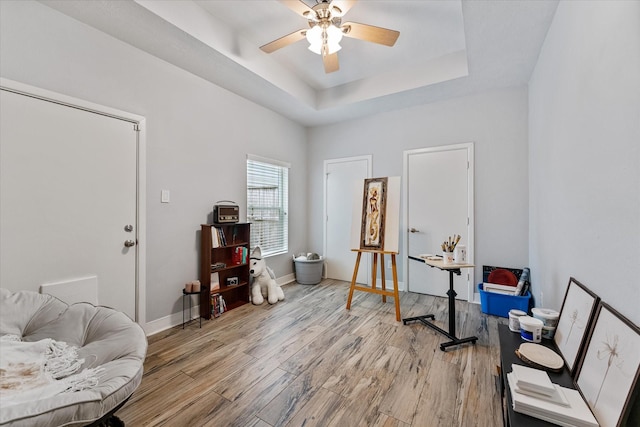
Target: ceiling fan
(326, 30)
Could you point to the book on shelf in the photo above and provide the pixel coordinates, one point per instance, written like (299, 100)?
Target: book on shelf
(218, 305)
(236, 257)
(240, 255)
(218, 238)
(223, 238)
(215, 281)
(215, 242)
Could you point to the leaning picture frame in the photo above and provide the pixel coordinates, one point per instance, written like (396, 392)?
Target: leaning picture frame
(609, 368)
(576, 314)
(374, 205)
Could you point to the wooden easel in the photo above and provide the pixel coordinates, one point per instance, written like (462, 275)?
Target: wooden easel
(374, 268)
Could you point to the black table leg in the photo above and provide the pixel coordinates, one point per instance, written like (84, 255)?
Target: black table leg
(186, 294)
(451, 334)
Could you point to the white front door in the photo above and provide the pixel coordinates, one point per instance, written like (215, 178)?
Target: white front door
(341, 177)
(68, 182)
(439, 203)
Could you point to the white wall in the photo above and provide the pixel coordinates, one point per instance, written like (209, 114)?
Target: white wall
(584, 156)
(577, 181)
(198, 135)
(495, 121)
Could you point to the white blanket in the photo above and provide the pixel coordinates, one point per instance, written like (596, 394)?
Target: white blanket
(31, 371)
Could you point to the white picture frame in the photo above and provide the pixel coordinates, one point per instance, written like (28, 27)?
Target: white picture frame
(576, 315)
(609, 368)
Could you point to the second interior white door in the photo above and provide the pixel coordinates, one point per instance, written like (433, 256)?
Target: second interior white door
(341, 176)
(439, 192)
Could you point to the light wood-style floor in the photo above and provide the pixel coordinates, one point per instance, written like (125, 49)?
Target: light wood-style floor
(307, 361)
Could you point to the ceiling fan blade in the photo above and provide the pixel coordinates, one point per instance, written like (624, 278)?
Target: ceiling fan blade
(299, 7)
(370, 33)
(342, 5)
(330, 63)
(284, 41)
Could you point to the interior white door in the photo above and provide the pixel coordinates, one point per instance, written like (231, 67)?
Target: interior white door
(439, 198)
(341, 176)
(67, 198)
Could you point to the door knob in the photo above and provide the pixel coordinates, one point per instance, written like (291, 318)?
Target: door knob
(129, 243)
(413, 230)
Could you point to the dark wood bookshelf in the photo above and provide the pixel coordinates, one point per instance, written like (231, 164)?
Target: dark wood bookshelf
(237, 236)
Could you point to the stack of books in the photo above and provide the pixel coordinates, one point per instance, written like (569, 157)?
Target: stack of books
(534, 394)
(239, 255)
(218, 305)
(218, 238)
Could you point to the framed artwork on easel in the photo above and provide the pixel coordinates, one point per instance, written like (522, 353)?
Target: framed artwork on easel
(576, 314)
(374, 204)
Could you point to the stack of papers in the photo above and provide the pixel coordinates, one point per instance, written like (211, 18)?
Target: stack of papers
(499, 289)
(534, 394)
(536, 383)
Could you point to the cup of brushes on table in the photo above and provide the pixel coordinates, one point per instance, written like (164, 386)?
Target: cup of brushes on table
(448, 247)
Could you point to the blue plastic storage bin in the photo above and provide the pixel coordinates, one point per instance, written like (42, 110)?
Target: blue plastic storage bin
(500, 304)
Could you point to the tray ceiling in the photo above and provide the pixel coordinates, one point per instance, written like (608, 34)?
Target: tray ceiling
(445, 49)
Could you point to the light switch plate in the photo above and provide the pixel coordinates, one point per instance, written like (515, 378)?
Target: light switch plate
(164, 197)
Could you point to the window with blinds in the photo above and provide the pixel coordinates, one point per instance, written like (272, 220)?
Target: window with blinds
(268, 204)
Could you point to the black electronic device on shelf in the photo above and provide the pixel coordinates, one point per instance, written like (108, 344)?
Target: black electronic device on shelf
(225, 212)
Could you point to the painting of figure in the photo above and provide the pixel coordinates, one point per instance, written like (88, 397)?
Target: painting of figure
(373, 213)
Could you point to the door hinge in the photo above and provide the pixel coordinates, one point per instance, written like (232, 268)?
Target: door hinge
(136, 127)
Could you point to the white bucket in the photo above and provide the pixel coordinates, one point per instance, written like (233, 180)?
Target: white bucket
(514, 319)
(447, 257)
(549, 317)
(548, 332)
(530, 329)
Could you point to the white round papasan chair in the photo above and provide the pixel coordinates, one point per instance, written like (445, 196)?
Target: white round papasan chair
(107, 342)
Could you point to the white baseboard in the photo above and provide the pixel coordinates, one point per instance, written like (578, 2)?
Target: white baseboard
(389, 285)
(170, 321)
(175, 319)
(289, 278)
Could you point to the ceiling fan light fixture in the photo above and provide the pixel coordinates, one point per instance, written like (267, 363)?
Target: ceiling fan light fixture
(318, 37)
(314, 37)
(334, 35)
(326, 30)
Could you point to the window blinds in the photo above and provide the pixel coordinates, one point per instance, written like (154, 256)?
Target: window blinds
(268, 204)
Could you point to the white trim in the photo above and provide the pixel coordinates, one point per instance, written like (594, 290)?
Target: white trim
(470, 208)
(286, 279)
(141, 302)
(175, 319)
(389, 284)
(269, 161)
(141, 277)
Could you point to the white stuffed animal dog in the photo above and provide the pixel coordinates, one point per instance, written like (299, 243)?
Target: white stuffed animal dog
(264, 280)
